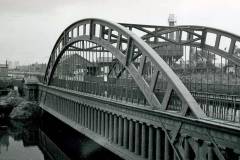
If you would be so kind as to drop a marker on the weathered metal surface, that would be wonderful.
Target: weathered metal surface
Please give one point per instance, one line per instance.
(145, 49)
(200, 133)
(174, 111)
(196, 36)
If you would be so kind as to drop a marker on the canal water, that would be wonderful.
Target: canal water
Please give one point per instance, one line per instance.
(47, 139)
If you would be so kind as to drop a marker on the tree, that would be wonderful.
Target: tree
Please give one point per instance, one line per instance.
(202, 58)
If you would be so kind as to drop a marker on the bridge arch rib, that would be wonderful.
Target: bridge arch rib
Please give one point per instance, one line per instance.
(126, 48)
(195, 36)
(103, 37)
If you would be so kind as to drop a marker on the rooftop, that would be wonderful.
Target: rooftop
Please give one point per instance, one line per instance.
(3, 66)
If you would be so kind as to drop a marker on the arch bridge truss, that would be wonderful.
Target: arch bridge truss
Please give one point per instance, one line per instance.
(180, 70)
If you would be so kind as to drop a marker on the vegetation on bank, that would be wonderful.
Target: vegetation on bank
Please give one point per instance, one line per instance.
(6, 82)
(20, 108)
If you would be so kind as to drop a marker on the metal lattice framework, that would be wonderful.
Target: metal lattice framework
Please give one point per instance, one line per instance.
(195, 36)
(113, 37)
(126, 58)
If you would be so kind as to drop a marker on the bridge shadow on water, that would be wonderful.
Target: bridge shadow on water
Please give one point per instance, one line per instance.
(63, 142)
(47, 139)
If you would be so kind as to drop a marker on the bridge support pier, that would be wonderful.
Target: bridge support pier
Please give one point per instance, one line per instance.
(74, 111)
(158, 144)
(120, 131)
(95, 121)
(106, 125)
(82, 115)
(31, 90)
(210, 152)
(166, 148)
(78, 113)
(131, 132)
(175, 156)
(143, 145)
(137, 137)
(99, 122)
(125, 133)
(92, 119)
(85, 116)
(88, 118)
(186, 148)
(150, 143)
(115, 129)
(110, 127)
(102, 123)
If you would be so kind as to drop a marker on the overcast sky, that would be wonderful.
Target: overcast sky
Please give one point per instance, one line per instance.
(29, 28)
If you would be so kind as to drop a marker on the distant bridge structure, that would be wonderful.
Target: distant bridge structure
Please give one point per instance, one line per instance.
(147, 92)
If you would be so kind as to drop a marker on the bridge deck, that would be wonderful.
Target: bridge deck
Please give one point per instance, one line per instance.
(88, 113)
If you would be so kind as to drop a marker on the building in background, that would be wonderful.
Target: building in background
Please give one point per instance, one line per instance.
(170, 52)
(13, 64)
(10, 65)
(35, 67)
(16, 64)
(4, 70)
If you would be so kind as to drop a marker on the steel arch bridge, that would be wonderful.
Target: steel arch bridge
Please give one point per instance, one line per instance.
(132, 63)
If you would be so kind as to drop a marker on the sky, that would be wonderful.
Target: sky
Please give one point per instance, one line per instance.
(29, 28)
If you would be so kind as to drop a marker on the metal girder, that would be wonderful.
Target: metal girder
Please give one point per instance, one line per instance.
(125, 58)
(197, 36)
(123, 69)
(145, 49)
(73, 48)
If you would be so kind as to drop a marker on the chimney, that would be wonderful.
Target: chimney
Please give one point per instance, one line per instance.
(172, 22)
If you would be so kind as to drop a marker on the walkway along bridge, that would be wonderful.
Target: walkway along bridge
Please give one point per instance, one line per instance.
(147, 92)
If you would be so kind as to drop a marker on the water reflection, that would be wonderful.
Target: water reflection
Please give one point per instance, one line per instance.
(49, 139)
(60, 137)
(19, 142)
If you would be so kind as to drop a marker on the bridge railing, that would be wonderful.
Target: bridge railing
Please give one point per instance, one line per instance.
(96, 48)
(128, 93)
(90, 52)
(230, 89)
(126, 125)
(217, 106)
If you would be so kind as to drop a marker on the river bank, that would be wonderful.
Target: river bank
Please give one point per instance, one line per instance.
(19, 140)
(47, 139)
(29, 134)
(15, 107)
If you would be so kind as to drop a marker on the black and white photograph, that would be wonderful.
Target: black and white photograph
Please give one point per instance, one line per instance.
(119, 80)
